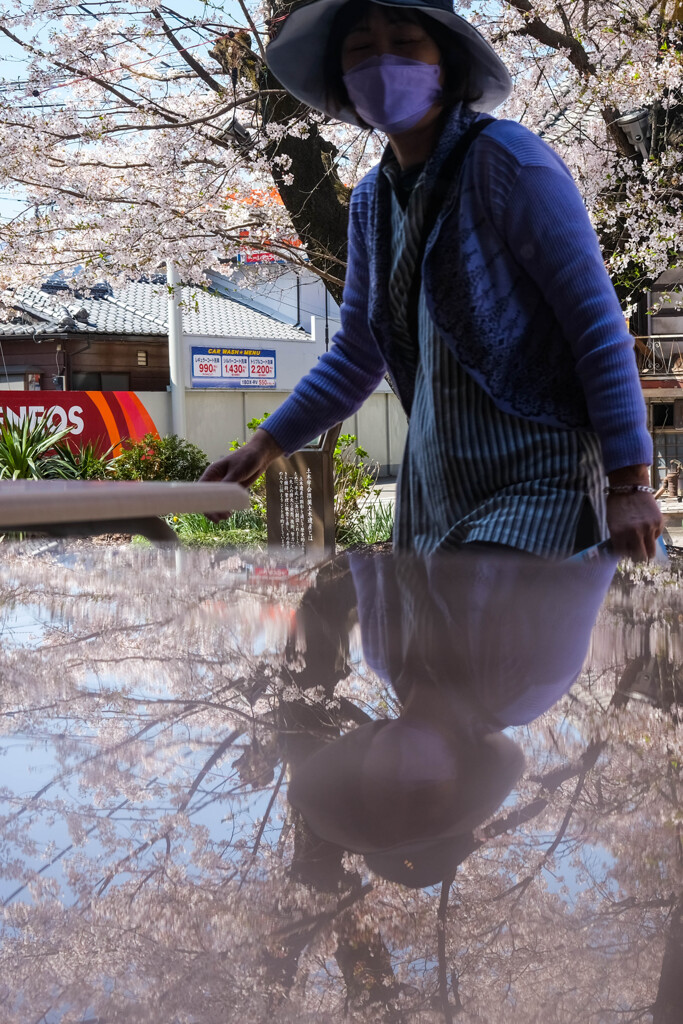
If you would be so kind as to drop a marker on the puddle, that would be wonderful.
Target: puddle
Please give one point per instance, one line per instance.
(510, 728)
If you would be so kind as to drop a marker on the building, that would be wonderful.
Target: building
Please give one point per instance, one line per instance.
(116, 340)
(659, 353)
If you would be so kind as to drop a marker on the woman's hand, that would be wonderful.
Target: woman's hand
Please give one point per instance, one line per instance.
(242, 466)
(634, 520)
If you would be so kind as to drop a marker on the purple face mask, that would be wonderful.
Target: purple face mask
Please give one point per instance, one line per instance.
(393, 93)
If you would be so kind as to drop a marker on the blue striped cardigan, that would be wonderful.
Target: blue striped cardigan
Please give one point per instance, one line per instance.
(515, 282)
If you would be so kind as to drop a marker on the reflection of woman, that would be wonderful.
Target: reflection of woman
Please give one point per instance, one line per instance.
(506, 343)
(408, 792)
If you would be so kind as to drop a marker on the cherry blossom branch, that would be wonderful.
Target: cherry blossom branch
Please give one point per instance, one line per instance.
(266, 815)
(551, 37)
(198, 68)
(252, 26)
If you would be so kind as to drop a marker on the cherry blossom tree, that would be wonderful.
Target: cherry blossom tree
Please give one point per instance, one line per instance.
(136, 134)
(132, 133)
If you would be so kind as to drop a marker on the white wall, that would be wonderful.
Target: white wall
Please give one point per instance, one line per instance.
(215, 418)
(158, 405)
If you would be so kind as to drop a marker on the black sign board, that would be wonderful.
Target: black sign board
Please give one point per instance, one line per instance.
(300, 498)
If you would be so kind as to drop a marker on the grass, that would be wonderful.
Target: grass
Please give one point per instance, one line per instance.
(243, 529)
(247, 529)
(372, 527)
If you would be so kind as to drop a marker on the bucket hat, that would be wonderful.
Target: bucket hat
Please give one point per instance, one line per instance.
(297, 54)
(404, 796)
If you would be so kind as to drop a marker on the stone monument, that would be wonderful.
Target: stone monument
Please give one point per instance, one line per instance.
(300, 499)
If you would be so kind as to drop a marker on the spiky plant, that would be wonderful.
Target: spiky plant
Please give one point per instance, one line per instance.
(25, 451)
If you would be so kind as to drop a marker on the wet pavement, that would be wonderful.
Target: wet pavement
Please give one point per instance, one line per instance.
(371, 790)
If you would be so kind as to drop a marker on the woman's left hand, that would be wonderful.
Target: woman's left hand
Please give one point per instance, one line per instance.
(634, 522)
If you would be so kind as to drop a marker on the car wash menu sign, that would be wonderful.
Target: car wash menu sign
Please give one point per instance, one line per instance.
(233, 367)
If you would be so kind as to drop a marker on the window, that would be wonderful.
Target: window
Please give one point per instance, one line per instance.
(85, 382)
(12, 382)
(662, 414)
(115, 382)
(100, 381)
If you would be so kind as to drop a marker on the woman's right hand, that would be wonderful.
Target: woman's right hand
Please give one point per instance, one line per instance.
(242, 466)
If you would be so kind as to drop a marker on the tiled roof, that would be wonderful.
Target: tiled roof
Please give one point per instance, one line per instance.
(138, 308)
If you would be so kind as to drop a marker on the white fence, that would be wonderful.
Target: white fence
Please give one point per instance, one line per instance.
(215, 418)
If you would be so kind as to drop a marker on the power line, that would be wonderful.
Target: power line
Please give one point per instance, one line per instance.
(126, 67)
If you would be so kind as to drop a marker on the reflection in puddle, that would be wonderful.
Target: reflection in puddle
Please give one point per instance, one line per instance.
(155, 714)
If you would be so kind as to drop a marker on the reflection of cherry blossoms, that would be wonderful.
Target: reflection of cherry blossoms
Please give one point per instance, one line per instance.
(151, 868)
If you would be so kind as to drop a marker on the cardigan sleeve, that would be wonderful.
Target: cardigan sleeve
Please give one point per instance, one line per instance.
(350, 371)
(547, 229)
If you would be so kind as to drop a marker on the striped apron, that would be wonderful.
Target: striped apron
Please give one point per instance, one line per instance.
(471, 472)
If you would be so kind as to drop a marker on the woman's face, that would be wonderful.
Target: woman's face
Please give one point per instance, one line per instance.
(387, 30)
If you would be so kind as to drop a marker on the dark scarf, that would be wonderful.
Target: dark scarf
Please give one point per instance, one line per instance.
(401, 359)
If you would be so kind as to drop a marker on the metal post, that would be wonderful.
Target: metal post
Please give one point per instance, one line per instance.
(175, 351)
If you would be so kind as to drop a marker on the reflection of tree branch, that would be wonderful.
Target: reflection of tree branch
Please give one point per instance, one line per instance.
(214, 759)
(62, 853)
(313, 924)
(121, 863)
(525, 882)
(441, 919)
(269, 808)
(632, 903)
(65, 774)
(285, 945)
(365, 963)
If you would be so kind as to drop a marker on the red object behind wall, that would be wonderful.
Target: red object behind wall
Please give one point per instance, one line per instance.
(103, 418)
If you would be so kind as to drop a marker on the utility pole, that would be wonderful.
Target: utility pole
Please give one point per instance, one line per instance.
(176, 356)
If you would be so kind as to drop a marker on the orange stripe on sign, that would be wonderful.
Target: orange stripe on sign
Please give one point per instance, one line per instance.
(100, 403)
(138, 419)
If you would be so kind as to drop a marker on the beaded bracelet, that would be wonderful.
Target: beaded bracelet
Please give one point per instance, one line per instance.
(629, 489)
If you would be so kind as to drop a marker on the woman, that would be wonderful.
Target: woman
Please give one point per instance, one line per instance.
(475, 279)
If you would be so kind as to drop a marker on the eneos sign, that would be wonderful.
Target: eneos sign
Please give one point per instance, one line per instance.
(102, 418)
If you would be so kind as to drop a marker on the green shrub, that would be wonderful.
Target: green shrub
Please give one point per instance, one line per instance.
(257, 492)
(354, 486)
(373, 527)
(246, 528)
(258, 488)
(358, 519)
(159, 458)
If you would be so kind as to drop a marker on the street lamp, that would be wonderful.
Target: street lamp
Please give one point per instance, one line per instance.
(636, 128)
